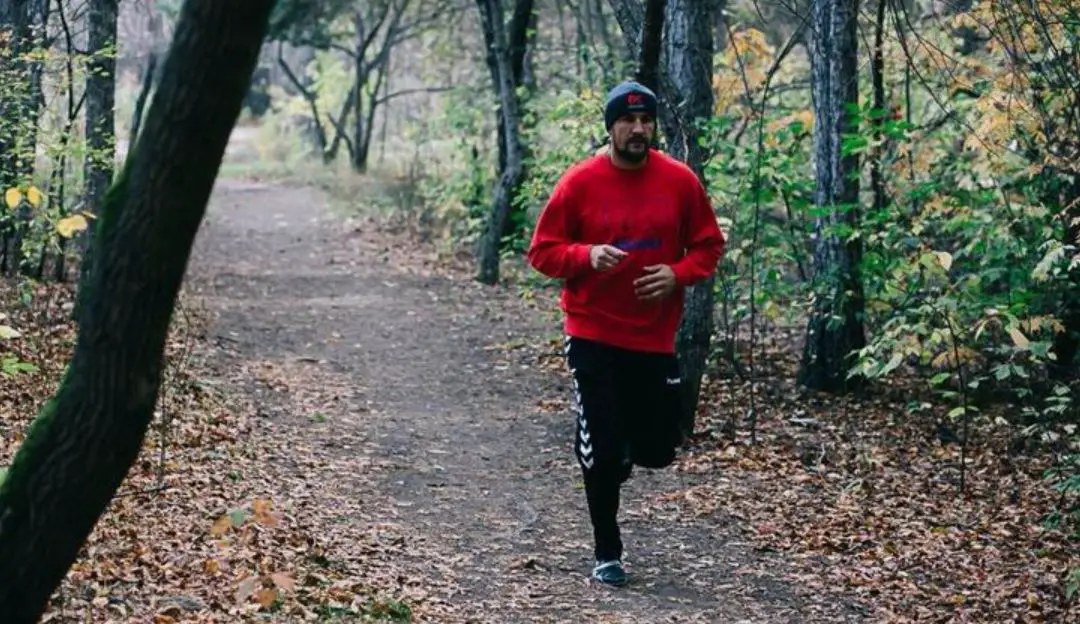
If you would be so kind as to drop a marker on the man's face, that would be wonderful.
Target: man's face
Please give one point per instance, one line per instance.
(631, 136)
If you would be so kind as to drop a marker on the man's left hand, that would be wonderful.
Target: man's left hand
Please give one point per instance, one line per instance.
(657, 283)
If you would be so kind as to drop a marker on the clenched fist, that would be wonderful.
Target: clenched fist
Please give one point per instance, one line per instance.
(657, 283)
(603, 257)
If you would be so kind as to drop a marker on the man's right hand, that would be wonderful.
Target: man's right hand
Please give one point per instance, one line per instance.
(603, 257)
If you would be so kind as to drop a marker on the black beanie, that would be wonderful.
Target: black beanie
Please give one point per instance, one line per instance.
(628, 97)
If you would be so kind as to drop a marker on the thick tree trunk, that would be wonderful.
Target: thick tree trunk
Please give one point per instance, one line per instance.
(511, 176)
(835, 328)
(652, 30)
(100, 126)
(83, 443)
(689, 51)
(680, 65)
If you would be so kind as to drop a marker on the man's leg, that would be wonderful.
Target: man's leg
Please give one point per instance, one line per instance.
(657, 408)
(601, 449)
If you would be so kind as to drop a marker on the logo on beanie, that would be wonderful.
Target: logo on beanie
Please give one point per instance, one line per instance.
(635, 99)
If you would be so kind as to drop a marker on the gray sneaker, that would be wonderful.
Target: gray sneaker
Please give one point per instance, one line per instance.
(610, 573)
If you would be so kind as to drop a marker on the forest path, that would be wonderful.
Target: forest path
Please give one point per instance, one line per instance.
(428, 442)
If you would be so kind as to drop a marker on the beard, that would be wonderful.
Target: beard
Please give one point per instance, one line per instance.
(635, 150)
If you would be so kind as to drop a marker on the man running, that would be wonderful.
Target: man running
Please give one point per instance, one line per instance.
(626, 231)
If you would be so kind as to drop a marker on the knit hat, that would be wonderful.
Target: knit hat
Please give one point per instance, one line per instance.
(628, 97)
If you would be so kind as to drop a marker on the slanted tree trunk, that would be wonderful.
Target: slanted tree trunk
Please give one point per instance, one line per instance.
(835, 328)
(506, 189)
(100, 128)
(81, 446)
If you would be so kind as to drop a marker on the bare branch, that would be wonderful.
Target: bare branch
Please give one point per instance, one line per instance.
(386, 98)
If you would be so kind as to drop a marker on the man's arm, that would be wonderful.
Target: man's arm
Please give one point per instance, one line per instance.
(553, 250)
(704, 241)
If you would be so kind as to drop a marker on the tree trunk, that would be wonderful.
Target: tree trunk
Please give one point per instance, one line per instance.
(100, 127)
(81, 446)
(689, 50)
(720, 28)
(360, 78)
(652, 30)
(835, 328)
(511, 176)
(522, 40)
(15, 19)
(680, 64)
(35, 98)
(519, 41)
(15, 95)
(630, 14)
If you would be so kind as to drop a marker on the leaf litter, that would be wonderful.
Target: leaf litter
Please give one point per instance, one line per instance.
(216, 529)
(282, 515)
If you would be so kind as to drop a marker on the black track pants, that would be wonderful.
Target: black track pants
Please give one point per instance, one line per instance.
(628, 406)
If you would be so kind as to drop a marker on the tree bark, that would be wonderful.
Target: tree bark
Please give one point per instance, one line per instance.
(521, 40)
(652, 30)
(15, 21)
(15, 96)
(510, 179)
(630, 14)
(81, 446)
(680, 66)
(100, 127)
(835, 328)
(689, 51)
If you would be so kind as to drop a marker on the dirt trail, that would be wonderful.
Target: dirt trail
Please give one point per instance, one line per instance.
(442, 436)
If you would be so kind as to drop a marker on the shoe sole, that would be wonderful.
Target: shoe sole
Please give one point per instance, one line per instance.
(621, 583)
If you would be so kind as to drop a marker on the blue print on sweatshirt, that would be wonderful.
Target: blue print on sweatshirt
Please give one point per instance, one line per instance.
(630, 244)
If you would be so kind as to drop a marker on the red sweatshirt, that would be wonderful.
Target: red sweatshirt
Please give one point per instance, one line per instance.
(658, 214)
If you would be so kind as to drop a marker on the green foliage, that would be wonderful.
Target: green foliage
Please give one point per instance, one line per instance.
(306, 22)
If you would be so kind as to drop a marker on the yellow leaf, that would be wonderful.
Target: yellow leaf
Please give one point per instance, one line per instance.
(260, 507)
(12, 197)
(1018, 338)
(33, 195)
(223, 524)
(67, 226)
(944, 258)
(266, 597)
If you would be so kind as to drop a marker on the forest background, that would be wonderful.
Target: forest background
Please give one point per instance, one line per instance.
(889, 347)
